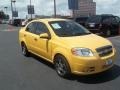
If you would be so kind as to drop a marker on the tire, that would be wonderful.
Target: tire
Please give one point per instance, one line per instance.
(24, 50)
(107, 33)
(117, 32)
(62, 67)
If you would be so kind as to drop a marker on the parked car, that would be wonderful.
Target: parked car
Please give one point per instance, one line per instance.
(0, 21)
(69, 46)
(10, 22)
(24, 22)
(81, 20)
(5, 21)
(17, 22)
(104, 24)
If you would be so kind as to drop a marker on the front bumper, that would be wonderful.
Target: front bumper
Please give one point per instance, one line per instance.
(95, 31)
(92, 65)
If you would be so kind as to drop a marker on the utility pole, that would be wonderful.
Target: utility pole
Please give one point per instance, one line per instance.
(55, 8)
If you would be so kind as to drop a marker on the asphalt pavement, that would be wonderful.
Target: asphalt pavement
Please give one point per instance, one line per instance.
(32, 73)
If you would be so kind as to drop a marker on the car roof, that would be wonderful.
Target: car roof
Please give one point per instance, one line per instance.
(103, 15)
(49, 19)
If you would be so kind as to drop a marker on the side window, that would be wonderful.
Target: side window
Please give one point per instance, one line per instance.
(106, 21)
(110, 20)
(114, 21)
(31, 28)
(118, 19)
(94, 19)
(40, 28)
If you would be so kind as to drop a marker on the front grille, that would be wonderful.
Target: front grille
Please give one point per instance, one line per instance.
(104, 51)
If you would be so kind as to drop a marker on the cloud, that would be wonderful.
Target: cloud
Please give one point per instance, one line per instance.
(108, 7)
(46, 7)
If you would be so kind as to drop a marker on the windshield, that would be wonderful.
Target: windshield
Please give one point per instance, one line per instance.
(68, 28)
(117, 18)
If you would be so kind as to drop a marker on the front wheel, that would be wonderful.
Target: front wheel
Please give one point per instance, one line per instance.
(108, 33)
(62, 66)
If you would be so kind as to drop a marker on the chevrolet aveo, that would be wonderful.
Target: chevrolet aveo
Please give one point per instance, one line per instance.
(70, 47)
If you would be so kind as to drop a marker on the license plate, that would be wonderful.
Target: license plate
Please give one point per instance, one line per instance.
(109, 62)
(92, 25)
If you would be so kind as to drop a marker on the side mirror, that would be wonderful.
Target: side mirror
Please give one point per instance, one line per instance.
(44, 36)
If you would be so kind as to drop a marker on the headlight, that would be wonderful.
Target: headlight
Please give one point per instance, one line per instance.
(82, 52)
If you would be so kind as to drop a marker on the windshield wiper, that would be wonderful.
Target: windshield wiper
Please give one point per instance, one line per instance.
(75, 34)
(81, 34)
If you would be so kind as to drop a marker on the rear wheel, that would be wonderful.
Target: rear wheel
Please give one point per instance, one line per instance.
(24, 50)
(62, 66)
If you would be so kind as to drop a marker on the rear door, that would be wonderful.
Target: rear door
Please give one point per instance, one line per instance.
(29, 36)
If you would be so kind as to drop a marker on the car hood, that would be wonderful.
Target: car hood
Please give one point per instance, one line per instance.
(87, 41)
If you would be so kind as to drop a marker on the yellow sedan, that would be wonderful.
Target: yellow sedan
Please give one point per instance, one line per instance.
(69, 46)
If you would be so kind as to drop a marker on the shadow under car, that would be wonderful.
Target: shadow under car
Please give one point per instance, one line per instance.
(103, 77)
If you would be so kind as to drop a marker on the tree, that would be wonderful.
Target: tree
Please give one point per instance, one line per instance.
(3, 15)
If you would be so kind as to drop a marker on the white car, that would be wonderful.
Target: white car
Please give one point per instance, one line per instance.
(25, 22)
(5, 21)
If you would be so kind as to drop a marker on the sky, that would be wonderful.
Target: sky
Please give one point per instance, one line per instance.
(45, 7)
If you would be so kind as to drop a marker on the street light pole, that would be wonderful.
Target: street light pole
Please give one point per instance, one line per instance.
(14, 1)
(31, 7)
(6, 9)
(55, 8)
(11, 9)
(14, 5)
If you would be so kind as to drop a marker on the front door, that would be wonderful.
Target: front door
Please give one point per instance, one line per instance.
(42, 46)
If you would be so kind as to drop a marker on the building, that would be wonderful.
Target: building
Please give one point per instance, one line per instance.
(86, 8)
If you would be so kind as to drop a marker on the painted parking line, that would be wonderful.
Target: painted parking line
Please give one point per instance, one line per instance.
(7, 30)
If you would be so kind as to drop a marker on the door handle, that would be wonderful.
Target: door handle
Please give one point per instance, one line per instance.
(35, 39)
(25, 35)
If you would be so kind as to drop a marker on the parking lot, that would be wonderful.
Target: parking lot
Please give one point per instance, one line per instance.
(20, 73)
